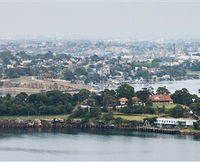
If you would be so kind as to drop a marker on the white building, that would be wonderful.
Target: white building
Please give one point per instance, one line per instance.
(174, 122)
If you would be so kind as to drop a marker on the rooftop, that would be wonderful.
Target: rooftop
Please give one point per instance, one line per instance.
(160, 97)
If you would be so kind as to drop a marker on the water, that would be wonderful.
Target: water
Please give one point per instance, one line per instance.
(192, 85)
(95, 144)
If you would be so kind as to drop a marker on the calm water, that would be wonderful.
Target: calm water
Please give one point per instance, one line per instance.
(72, 144)
(192, 85)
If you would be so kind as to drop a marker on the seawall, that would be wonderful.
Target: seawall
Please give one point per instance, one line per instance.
(60, 123)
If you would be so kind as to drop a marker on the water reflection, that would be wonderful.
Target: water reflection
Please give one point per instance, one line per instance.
(19, 132)
(41, 151)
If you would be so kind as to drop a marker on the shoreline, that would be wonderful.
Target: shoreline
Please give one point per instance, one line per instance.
(60, 123)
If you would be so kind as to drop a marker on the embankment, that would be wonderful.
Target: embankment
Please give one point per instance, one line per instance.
(61, 123)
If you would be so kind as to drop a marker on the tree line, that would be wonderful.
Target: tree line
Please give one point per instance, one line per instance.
(57, 102)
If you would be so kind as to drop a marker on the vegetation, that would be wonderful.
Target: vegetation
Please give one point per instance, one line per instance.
(178, 112)
(104, 106)
(125, 90)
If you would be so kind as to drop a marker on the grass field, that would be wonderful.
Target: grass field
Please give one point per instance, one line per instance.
(33, 117)
(136, 117)
(167, 106)
(193, 72)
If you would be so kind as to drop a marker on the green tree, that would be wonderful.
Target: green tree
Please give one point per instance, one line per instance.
(107, 118)
(155, 62)
(184, 97)
(195, 107)
(94, 113)
(81, 71)
(125, 90)
(162, 90)
(178, 112)
(82, 95)
(118, 121)
(22, 97)
(68, 75)
(143, 94)
(108, 98)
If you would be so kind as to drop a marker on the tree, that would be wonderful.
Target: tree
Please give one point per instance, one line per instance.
(196, 125)
(162, 90)
(108, 98)
(143, 73)
(130, 102)
(81, 71)
(125, 90)
(178, 112)
(107, 118)
(79, 113)
(118, 121)
(184, 97)
(58, 98)
(143, 95)
(21, 97)
(68, 75)
(82, 95)
(155, 62)
(94, 113)
(195, 107)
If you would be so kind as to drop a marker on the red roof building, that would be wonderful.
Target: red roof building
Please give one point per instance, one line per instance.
(123, 100)
(161, 98)
(136, 99)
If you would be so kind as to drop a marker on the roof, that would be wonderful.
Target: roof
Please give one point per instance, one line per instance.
(135, 99)
(177, 119)
(160, 98)
(123, 99)
(88, 100)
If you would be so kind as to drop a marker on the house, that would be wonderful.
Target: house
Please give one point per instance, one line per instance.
(123, 101)
(161, 98)
(87, 103)
(137, 101)
(172, 122)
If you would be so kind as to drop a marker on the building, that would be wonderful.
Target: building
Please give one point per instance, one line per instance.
(137, 101)
(172, 122)
(161, 98)
(123, 101)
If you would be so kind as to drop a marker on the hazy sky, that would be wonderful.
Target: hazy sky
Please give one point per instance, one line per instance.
(100, 18)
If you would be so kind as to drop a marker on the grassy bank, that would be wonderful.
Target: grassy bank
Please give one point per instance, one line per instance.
(136, 117)
(33, 117)
(167, 106)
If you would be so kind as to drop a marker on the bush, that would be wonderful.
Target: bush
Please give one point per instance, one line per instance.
(178, 112)
(79, 113)
(137, 110)
(107, 118)
(196, 108)
(196, 125)
(151, 120)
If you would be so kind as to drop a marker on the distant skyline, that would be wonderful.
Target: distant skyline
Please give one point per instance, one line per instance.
(100, 19)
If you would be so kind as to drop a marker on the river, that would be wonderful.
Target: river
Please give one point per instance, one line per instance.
(95, 144)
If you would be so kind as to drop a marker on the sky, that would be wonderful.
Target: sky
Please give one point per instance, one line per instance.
(100, 19)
